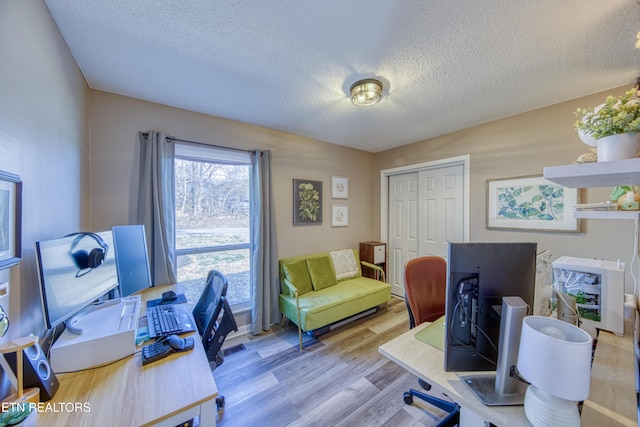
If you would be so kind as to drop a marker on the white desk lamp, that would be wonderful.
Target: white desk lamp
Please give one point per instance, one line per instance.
(555, 357)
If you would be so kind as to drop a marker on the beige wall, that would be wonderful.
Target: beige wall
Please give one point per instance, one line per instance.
(115, 121)
(518, 146)
(42, 132)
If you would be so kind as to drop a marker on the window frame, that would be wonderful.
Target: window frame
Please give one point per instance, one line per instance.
(219, 155)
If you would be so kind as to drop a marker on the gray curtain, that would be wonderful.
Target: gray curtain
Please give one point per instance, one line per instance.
(156, 204)
(264, 258)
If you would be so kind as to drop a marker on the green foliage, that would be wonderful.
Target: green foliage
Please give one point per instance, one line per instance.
(616, 116)
(541, 202)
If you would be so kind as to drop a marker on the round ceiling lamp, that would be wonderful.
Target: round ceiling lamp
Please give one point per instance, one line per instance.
(366, 92)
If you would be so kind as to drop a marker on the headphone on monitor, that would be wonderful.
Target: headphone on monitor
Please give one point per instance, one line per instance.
(86, 261)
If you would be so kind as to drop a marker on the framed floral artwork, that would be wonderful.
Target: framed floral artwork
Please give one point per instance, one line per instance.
(307, 202)
(339, 215)
(339, 187)
(10, 219)
(531, 203)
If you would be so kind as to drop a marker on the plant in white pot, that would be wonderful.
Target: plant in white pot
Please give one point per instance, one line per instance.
(614, 127)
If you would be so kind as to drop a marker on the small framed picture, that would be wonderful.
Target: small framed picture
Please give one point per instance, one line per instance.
(339, 215)
(339, 187)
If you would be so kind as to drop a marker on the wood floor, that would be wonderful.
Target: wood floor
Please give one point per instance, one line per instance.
(339, 379)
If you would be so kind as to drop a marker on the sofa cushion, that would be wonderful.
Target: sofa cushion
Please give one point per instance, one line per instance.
(321, 272)
(346, 298)
(298, 274)
(345, 264)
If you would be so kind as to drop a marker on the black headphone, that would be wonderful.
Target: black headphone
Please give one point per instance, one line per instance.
(87, 261)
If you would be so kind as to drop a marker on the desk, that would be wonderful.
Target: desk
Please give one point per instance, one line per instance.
(426, 362)
(612, 390)
(612, 399)
(125, 393)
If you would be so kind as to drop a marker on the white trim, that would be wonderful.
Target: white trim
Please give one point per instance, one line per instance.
(464, 160)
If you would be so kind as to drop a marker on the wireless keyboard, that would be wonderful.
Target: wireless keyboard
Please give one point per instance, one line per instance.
(164, 320)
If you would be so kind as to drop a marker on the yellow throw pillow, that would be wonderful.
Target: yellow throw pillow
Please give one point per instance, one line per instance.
(321, 272)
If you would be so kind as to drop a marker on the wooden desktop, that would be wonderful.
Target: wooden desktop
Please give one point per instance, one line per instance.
(612, 400)
(125, 393)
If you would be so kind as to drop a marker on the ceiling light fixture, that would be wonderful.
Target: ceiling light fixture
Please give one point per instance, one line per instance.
(366, 92)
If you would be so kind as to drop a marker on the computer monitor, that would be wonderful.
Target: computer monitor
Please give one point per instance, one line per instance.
(74, 271)
(479, 275)
(132, 259)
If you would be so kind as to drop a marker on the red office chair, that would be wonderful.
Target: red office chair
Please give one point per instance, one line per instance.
(425, 287)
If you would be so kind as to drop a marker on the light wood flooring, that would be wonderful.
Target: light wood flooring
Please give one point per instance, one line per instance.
(340, 379)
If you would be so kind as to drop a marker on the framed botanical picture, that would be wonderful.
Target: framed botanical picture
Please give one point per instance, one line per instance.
(339, 187)
(531, 203)
(307, 202)
(339, 215)
(10, 219)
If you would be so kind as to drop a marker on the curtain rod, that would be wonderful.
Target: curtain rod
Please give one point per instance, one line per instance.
(171, 138)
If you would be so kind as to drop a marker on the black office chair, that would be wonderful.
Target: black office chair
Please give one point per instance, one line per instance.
(425, 284)
(212, 328)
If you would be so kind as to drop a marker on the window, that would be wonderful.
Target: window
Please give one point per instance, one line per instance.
(212, 219)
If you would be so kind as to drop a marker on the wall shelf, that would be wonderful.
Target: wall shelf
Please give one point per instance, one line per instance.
(606, 214)
(599, 174)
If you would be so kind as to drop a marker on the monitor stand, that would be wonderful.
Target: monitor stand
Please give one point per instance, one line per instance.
(70, 324)
(108, 334)
(500, 388)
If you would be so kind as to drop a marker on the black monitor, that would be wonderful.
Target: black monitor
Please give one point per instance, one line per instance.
(74, 271)
(479, 275)
(132, 259)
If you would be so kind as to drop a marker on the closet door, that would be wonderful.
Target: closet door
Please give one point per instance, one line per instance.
(403, 227)
(441, 211)
(426, 211)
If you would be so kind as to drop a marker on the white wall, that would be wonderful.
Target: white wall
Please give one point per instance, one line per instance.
(42, 132)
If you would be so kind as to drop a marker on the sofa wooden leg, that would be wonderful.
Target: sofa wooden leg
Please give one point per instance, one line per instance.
(282, 321)
(300, 336)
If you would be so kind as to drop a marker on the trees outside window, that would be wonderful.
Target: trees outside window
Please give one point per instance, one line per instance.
(212, 220)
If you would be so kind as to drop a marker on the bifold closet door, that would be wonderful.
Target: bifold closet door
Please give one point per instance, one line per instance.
(426, 211)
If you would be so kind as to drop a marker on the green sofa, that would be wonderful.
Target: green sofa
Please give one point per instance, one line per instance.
(320, 289)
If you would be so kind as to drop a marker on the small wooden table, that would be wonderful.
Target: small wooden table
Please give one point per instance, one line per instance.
(125, 393)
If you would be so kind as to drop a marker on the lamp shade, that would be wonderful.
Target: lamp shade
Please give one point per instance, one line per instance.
(555, 356)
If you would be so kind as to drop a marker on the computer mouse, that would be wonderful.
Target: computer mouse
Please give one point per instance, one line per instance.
(169, 296)
(180, 344)
(176, 342)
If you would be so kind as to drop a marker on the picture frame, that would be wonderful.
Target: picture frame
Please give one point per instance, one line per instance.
(531, 203)
(339, 215)
(10, 219)
(307, 202)
(339, 187)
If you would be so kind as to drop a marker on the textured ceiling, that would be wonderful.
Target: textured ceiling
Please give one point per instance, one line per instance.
(288, 65)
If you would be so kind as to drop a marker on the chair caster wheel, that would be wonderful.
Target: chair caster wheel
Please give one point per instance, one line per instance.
(408, 399)
(220, 403)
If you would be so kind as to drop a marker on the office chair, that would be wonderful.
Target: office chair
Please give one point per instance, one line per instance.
(213, 302)
(425, 286)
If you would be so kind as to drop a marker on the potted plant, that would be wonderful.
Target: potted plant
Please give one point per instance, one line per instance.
(613, 127)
